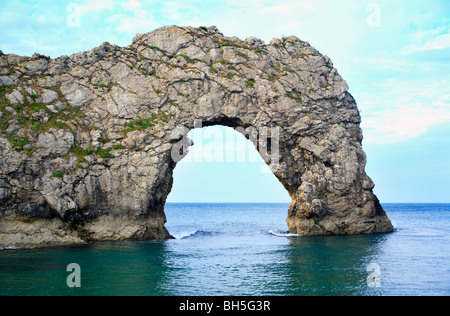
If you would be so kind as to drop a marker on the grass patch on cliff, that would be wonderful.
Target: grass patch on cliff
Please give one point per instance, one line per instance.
(3, 100)
(118, 146)
(288, 69)
(29, 120)
(187, 58)
(214, 69)
(223, 62)
(296, 97)
(241, 54)
(83, 152)
(224, 44)
(16, 141)
(142, 124)
(101, 85)
(3, 104)
(104, 153)
(232, 44)
(37, 117)
(155, 48)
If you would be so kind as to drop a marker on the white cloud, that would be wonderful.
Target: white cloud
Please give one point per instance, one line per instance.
(136, 20)
(403, 123)
(133, 24)
(425, 35)
(432, 39)
(173, 10)
(405, 110)
(132, 5)
(440, 42)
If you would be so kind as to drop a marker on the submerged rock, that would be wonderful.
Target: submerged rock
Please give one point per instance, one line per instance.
(87, 141)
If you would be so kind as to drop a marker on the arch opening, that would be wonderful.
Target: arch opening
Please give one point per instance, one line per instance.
(223, 166)
(221, 179)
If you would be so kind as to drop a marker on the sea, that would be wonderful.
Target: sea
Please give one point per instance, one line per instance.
(237, 249)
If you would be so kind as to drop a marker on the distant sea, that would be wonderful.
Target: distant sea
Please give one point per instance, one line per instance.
(245, 250)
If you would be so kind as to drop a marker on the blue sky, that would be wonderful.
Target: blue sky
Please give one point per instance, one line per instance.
(394, 55)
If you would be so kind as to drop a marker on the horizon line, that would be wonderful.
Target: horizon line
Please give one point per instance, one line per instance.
(206, 202)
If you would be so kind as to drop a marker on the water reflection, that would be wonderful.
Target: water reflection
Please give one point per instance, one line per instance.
(266, 265)
(127, 268)
(334, 265)
(107, 268)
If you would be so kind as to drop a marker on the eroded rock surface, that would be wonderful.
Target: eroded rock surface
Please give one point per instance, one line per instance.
(86, 140)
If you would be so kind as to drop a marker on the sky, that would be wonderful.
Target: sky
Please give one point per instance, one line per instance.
(394, 56)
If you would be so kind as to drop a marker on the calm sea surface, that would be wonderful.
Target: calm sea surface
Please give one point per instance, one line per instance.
(244, 249)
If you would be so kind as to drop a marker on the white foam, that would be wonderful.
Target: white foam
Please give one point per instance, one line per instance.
(283, 234)
(8, 247)
(184, 235)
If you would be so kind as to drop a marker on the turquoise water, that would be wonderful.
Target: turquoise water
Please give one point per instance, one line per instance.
(243, 249)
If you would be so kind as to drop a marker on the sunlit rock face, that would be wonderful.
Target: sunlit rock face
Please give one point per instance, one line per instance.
(88, 142)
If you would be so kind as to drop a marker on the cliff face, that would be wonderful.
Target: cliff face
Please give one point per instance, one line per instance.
(87, 142)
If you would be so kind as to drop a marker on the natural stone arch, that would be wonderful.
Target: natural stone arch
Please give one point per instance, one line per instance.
(87, 140)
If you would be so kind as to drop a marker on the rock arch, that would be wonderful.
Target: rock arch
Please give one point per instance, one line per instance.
(87, 140)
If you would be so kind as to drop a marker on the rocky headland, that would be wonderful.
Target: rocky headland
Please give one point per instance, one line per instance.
(86, 139)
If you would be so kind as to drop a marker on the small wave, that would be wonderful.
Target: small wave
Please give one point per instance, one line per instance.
(283, 234)
(194, 233)
(185, 235)
(7, 247)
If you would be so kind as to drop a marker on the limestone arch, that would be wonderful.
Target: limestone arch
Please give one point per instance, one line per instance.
(98, 166)
(309, 213)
